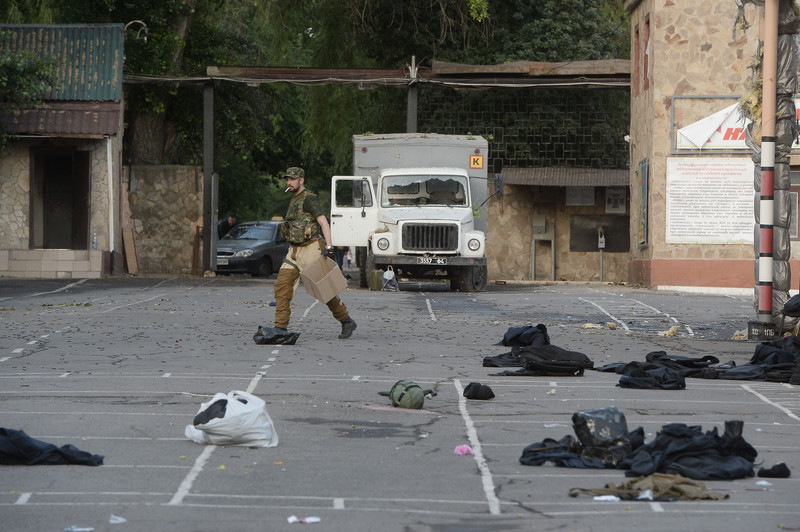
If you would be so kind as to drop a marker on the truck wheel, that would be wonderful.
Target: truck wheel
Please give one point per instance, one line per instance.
(472, 279)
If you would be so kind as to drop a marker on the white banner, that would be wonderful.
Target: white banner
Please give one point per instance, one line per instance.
(723, 130)
(710, 200)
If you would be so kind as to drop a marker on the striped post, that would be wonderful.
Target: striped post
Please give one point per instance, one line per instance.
(766, 207)
(769, 76)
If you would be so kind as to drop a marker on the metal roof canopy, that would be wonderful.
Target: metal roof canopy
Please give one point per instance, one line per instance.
(612, 73)
(560, 176)
(608, 74)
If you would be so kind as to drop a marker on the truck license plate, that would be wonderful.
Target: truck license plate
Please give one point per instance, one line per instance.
(222, 262)
(431, 260)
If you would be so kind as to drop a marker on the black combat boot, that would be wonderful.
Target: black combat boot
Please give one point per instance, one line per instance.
(348, 326)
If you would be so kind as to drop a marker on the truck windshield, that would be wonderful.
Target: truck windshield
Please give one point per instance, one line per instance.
(410, 190)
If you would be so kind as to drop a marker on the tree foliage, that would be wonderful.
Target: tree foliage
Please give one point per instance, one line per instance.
(25, 79)
(262, 130)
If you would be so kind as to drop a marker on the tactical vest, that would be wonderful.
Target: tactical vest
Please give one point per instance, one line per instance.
(300, 227)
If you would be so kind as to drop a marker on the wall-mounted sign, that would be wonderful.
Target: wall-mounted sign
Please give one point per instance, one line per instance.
(710, 200)
(723, 130)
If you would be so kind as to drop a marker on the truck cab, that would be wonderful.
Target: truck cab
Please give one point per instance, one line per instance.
(420, 220)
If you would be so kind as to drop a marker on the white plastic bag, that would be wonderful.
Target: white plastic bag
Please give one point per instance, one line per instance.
(245, 423)
(389, 280)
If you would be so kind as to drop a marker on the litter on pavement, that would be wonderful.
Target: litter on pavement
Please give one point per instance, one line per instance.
(236, 418)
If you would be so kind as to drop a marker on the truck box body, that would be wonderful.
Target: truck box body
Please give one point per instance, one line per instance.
(412, 204)
(406, 150)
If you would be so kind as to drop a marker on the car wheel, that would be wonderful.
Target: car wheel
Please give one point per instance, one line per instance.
(264, 268)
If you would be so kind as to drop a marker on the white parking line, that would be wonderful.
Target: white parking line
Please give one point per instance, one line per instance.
(430, 309)
(776, 405)
(189, 479)
(604, 311)
(472, 434)
(131, 304)
(67, 287)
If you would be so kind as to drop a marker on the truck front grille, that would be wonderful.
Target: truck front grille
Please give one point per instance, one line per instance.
(430, 237)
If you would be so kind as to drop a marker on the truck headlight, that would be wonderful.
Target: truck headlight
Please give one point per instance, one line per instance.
(383, 244)
(474, 244)
(244, 253)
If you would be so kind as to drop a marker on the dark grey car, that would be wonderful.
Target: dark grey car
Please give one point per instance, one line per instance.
(256, 248)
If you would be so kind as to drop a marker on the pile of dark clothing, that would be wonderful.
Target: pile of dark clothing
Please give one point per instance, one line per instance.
(17, 448)
(774, 361)
(603, 441)
(532, 352)
(660, 370)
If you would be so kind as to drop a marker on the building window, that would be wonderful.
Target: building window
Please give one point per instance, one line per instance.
(636, 56)
(647, 52)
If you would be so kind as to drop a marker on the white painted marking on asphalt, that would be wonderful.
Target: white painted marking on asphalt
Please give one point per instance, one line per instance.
(691, 333)
(131, 304)
(553, 383)
(308, 310)
(266, 366)
(776, 405)
(338, 504)
(254, 382)
(4, 359)
(430, 310)
(44, 336)
(18, 350)
(472, 434)
(63, 375)
(274, 352)
(32, 342)
(165, 375)
(189, 479)
(355, 377)
(67, 287)
(604, 311)
(656, 507)
(23, 498)
(787, 385)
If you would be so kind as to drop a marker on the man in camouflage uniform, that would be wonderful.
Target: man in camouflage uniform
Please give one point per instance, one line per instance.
(305, 221)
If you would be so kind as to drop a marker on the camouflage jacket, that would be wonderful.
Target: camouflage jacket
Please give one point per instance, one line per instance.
(301, 226)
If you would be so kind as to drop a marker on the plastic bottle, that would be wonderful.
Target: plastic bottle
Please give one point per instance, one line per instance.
(94, 240)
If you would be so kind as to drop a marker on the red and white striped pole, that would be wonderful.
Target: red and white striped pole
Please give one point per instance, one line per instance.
(769, 72)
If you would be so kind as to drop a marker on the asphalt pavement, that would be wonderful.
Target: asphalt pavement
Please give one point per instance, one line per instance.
(120, 366)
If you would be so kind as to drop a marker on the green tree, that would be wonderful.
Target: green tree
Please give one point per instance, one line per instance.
(26, 12)
(25, 79)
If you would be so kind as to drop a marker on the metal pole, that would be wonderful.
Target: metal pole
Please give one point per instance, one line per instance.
(769, 72)
(413, 96)
(208, 177)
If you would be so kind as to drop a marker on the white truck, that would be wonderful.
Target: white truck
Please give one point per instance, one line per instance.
(415, 203)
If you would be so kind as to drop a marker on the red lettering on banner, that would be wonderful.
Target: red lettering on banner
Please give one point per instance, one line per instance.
(734, 133)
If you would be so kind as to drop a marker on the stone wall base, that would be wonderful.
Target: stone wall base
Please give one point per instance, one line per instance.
(52, 263)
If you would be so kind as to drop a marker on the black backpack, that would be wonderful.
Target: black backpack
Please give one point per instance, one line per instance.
(553, 360)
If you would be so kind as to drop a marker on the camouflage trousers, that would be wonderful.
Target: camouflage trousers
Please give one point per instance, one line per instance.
(288, 280)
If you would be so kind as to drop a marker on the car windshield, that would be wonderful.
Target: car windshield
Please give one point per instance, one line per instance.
(251, 232)
(420, 190)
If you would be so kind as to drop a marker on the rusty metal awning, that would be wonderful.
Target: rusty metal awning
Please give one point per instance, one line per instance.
(560, 176)
(67, 119)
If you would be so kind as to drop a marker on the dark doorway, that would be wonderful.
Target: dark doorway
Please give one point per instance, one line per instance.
(60, 199)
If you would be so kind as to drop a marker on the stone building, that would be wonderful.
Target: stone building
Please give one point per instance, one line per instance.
(691, 173)
(60, 179)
